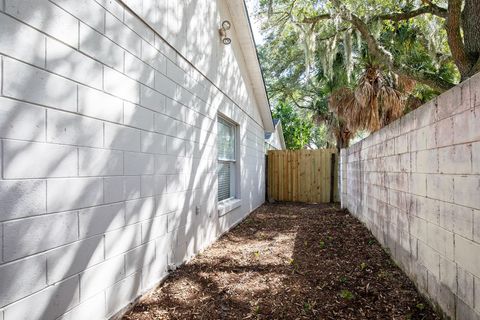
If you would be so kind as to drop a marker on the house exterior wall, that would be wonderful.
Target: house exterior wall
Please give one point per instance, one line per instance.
(274, 142)
(416, 185)
(108, 148)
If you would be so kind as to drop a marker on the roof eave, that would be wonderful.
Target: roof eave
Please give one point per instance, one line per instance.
(280, 133)
(241, 20)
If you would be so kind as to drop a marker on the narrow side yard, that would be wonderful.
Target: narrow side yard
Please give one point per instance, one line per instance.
(289, 261)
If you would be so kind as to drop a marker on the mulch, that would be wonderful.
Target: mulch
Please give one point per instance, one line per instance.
(289, 261)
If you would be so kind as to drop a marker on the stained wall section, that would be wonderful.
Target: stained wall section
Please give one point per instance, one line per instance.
(416, 185)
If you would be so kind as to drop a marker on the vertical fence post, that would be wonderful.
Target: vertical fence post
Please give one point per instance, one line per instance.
(266, 178)
(332, 178)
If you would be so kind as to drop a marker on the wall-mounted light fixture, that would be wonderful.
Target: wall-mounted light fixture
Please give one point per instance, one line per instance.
(226, 25)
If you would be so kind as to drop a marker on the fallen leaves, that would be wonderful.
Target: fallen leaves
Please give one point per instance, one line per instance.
(289, 261)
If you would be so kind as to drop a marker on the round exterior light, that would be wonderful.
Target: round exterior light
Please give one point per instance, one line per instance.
(226, 25)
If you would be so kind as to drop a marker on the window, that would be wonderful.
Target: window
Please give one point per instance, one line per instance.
(226, 145)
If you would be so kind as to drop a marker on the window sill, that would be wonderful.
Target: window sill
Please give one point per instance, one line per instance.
(228, 205)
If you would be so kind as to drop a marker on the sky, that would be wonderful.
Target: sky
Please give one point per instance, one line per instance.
(252, 6)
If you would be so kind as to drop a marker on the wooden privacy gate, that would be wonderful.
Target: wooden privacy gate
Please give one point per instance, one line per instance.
(303, 175)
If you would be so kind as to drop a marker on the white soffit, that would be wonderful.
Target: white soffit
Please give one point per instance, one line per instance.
(241, 23)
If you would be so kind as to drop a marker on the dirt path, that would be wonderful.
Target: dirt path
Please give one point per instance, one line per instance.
(289, 261)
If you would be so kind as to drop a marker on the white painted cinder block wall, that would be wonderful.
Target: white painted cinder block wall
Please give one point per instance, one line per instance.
(416, 186)
(108, 147)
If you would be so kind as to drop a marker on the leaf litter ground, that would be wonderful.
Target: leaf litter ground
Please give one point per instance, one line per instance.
(289, 261)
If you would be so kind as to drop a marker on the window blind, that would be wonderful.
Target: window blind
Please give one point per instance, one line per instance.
(226, 159)
(223, 181)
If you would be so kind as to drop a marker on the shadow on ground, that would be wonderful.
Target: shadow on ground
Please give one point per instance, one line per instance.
(289, 261)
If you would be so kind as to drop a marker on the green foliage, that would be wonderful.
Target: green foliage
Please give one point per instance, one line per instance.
(420, 306)
(347, 295)
(307, 306)
(297, 127)
(305, 59)
(383, 274)
(322, 244)
(256, 309)
(420, 44)
(321, 137)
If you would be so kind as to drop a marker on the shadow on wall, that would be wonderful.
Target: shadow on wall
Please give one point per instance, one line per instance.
(99, 191)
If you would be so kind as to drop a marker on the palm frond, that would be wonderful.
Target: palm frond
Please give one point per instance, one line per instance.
(375, 102)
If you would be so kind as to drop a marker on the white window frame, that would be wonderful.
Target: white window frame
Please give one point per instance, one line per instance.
(232, 202)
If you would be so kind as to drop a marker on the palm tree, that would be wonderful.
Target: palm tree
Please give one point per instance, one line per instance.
(376, 101)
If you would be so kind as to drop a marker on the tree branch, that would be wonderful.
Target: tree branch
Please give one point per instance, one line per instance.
(386, 58)
(454, 37)
(399, 16)
(316, 19)
(431, 80)
(334, 34)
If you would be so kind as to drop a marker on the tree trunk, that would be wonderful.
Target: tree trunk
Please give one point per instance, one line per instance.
(471, 34)
(343, 137)
(340, 144)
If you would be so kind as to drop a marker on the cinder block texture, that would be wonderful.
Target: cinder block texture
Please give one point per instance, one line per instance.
(73, 64)
(98, 220)
(24, 82)
(28, 236)
(108, 145)
(90, 99)
(57, 299)
(23, 121)
(69, 194)
(17, 39)
(38, 160)
(74, 258)
(22, 198)
(61, 26)
(22, 278)
(439, 208)
(64, 128)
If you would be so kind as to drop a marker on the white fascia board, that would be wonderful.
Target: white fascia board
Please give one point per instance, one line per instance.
(241, 21)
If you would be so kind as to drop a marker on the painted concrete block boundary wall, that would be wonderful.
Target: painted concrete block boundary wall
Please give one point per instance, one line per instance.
(416, 185)
(108, 148)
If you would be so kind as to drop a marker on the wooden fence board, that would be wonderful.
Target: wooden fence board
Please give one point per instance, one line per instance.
(301, 175)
